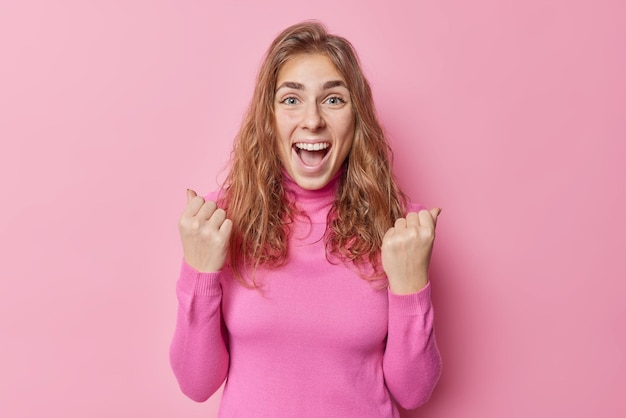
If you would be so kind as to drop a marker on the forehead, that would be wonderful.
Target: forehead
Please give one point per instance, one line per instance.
(309, 69)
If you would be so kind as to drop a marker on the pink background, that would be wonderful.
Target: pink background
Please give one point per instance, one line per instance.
(509, 115)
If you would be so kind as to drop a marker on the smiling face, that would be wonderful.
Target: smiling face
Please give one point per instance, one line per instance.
(314, 119)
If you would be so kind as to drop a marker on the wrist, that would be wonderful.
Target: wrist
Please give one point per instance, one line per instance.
(408, 285)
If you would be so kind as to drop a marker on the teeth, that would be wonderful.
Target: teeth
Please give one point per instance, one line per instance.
(312, 147)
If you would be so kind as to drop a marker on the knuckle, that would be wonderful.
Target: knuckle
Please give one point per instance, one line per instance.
(183, 222)
(428, 233)
(221, 241)
(411, 234)
(217, 241)
(394, 242)
(195, 224)
(206, 232)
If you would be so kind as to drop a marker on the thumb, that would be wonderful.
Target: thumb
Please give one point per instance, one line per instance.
(190, 195)
(435, 213)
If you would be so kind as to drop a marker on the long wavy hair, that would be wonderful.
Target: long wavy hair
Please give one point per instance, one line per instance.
(368, 199)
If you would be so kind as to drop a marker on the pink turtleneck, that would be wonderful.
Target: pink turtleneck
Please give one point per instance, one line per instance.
(318, 341)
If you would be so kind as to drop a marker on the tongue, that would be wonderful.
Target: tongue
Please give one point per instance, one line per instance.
(311, 158)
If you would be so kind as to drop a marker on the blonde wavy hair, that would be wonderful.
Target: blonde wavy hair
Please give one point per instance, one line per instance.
(368, 199)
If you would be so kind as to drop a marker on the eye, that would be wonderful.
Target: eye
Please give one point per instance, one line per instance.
(335, 100)
(290, 100)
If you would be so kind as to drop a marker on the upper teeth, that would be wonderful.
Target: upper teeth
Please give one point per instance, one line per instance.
(312, 147)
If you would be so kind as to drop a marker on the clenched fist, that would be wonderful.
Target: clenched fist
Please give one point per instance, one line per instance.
(406, 251)
(205, 233)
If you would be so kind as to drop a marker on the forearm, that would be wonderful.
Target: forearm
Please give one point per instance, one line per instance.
(198, 352)
(412, 364)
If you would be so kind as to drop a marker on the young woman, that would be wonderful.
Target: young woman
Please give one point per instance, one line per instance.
(304, 283)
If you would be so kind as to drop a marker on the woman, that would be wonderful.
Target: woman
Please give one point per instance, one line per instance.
(304, 284)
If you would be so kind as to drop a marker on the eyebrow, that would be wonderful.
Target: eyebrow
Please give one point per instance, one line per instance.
(291, 85)
(299, 86)
(334, 83)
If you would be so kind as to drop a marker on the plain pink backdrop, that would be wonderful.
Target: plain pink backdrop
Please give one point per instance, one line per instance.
(509, 115)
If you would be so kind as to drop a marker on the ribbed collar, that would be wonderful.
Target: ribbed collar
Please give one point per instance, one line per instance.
(315, 203)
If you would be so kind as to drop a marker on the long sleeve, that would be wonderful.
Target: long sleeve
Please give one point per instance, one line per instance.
(198, 352)
(316, 341)
(411, 363)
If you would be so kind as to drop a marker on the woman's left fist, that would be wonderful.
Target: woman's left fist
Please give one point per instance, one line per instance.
(406, 251)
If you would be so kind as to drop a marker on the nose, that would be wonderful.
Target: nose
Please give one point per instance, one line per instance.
(312, 118)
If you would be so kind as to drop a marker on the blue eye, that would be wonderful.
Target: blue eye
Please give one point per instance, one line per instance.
(335, 100)
(290, 101)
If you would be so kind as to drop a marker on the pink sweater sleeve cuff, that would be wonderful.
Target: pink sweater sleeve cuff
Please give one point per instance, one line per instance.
(410, 305)
(199, 284)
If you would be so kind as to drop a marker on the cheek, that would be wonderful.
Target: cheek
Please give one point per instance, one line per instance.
(278, 125)
(346, 142)
(347, 131)
(284, 116)
(282, 143)
(347, 121)
(284, 125)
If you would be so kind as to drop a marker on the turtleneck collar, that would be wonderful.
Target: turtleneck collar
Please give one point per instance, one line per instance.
(315, 203)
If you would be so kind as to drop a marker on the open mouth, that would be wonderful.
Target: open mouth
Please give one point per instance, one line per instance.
(312, 154)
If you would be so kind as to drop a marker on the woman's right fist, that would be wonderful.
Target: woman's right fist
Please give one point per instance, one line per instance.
(205, 233)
